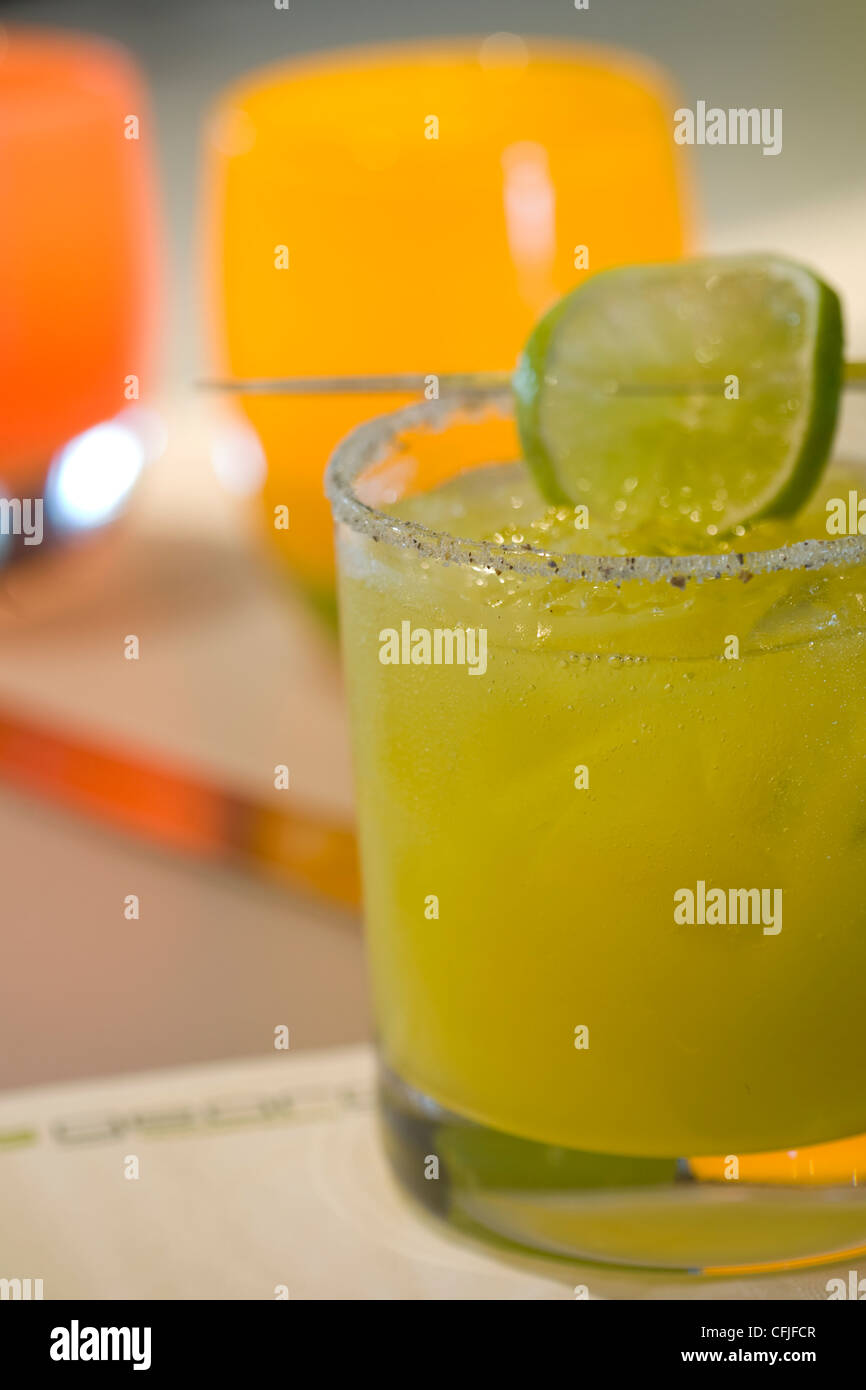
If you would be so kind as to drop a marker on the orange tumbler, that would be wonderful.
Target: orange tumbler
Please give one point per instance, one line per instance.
(415, 208)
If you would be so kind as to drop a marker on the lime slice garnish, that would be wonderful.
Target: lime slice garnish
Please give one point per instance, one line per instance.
(704, 392)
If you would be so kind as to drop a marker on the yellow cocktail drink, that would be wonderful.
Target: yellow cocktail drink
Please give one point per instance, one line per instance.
(613, 836)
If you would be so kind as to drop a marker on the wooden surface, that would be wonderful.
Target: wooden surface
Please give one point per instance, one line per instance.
(216, 960)
(234, 677)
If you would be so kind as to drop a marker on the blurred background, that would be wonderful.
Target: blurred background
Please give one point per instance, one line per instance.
(186, 204)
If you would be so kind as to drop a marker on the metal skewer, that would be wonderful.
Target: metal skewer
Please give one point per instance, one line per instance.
(410, 382)
(450, 383)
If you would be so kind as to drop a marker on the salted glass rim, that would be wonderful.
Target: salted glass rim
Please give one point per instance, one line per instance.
(368, 443)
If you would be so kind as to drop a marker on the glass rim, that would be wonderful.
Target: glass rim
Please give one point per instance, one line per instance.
(368, 443)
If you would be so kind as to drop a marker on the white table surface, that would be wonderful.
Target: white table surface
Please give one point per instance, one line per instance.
(231, 1204)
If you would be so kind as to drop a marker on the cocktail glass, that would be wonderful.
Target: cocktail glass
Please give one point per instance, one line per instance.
(554, 753)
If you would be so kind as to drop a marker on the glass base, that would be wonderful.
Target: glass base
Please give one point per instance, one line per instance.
(647, 1213)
